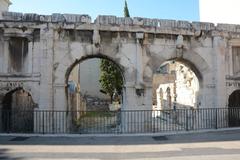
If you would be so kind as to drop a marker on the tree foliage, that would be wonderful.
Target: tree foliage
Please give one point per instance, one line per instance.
(110, 77)
(126, 11)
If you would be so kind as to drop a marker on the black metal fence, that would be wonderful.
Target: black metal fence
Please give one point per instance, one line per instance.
(91, 122)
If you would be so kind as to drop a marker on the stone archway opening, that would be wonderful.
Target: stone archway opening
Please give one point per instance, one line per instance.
(17, 112)
(95, 94)
(176, 85)
(234, 106)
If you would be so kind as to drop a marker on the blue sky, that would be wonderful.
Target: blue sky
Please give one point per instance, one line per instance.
(162, 9)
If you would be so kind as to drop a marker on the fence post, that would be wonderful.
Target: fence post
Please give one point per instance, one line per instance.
(43, 121)
(187, 129)
(216, 123)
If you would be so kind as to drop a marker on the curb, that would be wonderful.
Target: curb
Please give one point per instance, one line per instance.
(122, 135)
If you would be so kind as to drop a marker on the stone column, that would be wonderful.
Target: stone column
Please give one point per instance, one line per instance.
(219, 73)
(1, 53)
(6, 55)
(45, 123)
(136, 114)
(29, 68)
(139, 57)
(219, 47)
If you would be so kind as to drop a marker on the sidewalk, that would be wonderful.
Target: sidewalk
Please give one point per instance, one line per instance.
(197, 146)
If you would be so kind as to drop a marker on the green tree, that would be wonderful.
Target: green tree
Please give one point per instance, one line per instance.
(110, 78)
(126, 11)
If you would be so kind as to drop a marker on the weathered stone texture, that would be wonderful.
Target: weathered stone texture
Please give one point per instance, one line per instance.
(138, 45)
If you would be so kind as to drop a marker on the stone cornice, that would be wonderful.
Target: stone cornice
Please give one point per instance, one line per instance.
(113, 23)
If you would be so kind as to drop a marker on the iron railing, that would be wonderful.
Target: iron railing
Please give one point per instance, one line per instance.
(116, 122)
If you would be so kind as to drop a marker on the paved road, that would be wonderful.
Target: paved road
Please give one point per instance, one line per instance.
(224, 145)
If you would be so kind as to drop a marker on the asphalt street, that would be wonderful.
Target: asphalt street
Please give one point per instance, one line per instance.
(223, 145)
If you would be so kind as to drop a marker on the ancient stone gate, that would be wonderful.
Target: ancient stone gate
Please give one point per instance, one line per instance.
(37, 53)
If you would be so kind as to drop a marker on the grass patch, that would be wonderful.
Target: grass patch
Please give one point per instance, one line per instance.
(92, 118)
(98, 114)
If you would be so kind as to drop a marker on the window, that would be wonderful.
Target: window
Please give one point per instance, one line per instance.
(236, 60)
(18, 50)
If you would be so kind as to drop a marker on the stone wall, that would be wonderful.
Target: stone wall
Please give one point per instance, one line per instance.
(41, 30)
(89, 78)
(57, 42)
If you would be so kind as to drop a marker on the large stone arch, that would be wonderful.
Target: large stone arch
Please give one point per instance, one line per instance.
(188, 57)
(85, 58)
(101, 56)
(75, 52)
(67, 63)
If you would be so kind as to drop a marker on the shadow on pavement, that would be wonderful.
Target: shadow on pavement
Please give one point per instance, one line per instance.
(4, 155)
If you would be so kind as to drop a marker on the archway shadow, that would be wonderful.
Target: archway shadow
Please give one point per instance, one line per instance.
(17, 112)
(233, 108)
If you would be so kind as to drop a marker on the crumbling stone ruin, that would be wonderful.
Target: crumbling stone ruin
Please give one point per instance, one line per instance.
(38, 52)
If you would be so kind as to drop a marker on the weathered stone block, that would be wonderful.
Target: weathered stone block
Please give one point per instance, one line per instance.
(226, 27)
(237, 28)
(84, 19)
(70, 18)
(77, 18)
(138, 21)
(56, 17)
(184, 24)
(124, 21)
(12, 16)
(45, 18)
(105, 20)
(30, 17)
(203, 26)
(150, 22)
(167, 23)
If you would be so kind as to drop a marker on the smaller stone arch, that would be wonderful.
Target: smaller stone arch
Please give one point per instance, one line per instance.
(183, 82)
(17, 111)
(234, 99)
(23, 100)
(187, 63)
(190, 58)
(234, 109)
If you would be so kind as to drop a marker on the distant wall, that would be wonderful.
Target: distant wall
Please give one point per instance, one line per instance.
(89, 78)
(4, 4)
